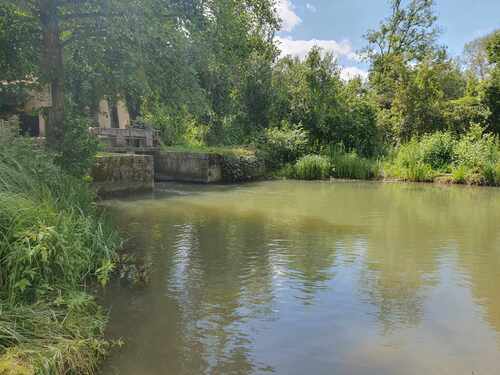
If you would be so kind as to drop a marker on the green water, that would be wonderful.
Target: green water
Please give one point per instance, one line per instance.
(311, 278)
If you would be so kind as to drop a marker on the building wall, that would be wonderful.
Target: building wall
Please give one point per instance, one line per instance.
(104, 114)
(123, 115)
(41, 98)
(42, 128)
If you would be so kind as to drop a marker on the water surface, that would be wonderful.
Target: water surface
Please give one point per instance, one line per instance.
(311, 278)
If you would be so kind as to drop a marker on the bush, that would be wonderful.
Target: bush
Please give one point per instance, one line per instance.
(476, 158)
(473, 159)
(491, 174)
(312, 167)
(76, 153)
(9, 128)
(476, 149)
(436, 150)
(408, 164)
(281, 146)
(460, 174)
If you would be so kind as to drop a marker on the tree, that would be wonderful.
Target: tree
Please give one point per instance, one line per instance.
(492, 85)
(110, 36)
(18, 44)
(310, 94)
(408, 35)
(476, 56)
(422, 93)
(409, 31)
(235, 51)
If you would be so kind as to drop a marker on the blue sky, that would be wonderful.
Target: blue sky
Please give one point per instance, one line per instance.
(339, 25)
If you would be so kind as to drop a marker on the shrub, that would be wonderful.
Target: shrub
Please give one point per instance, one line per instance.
(476, 149)
(9, 128)
(491, 174)
(436, 150)
(281, 146)
(312, 167)
(408, 164)
(460, 174)
(78, 150)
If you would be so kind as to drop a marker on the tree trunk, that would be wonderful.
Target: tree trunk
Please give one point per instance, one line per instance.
(53, 70)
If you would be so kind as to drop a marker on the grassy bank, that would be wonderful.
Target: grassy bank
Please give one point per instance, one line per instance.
(54, 248)
(473, 159)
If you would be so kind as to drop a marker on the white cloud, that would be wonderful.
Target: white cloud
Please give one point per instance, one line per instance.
(311, 8)
(348, 73)
(301, 48)
(286, 11)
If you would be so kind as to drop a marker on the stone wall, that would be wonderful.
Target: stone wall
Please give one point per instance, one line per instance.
(188, 166)
(123, 173)
(206, 167)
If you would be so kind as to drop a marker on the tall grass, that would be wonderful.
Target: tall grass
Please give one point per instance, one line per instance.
(407, 164)
(312, 167)
(53, 242)
(352, 166)
(52, 338)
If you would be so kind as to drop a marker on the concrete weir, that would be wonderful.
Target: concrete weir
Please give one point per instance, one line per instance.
(188, 167)
(127, 173)
(115, 174)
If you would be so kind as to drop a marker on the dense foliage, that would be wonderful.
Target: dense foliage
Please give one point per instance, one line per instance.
(53, 245)
(208, 73)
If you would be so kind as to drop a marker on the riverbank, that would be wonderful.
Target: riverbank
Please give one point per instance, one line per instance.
(471, 159)
(56, 249)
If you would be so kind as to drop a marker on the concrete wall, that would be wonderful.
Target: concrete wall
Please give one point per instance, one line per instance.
(104, 114)
(206, 167)
(123, 115)
(123, 173)
(188, 167)
(38, 99)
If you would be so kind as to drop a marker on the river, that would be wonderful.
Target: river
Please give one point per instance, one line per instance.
(288, 277)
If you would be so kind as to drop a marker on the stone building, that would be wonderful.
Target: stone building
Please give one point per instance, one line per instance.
(31, 111)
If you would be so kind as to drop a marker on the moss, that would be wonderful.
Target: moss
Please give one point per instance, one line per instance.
(237, 151)
(241, 168)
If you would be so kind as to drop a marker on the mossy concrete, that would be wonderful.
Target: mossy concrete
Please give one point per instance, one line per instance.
(188, 167)
(206, 168)
(123, 173)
